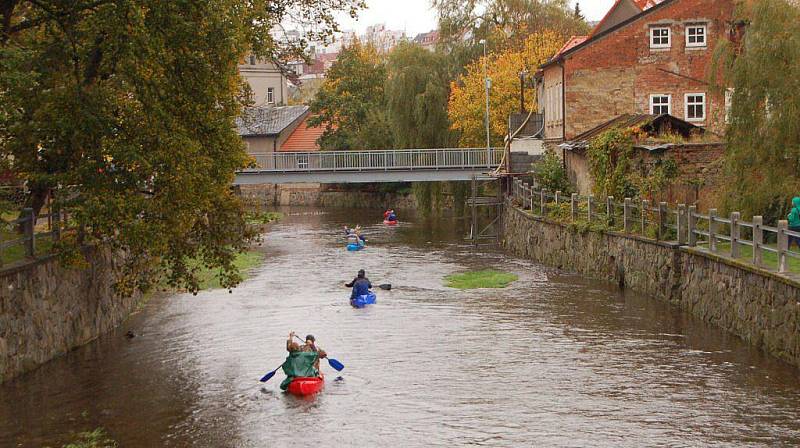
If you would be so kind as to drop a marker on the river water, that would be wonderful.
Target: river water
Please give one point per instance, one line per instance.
(553, 360)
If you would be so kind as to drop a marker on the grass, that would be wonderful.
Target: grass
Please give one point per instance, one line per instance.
(480, 279)
(770, 259)
(244, 261)
(92, 439)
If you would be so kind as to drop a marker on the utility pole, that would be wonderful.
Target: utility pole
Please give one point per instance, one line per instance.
(522, 75)
(487, 85)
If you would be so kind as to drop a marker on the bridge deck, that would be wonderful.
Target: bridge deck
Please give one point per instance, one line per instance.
(407, 165)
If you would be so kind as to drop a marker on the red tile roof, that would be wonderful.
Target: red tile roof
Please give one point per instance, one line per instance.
(572, 42)
(303, 138)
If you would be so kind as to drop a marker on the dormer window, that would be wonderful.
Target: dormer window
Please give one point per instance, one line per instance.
(696, 35)
(660, 37)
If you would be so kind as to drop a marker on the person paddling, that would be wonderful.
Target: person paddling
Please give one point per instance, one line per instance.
(389, 215)
(303, 360)
(361, 285)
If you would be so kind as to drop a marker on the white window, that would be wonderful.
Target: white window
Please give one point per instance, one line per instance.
(302, 161)
(660, 104)
(270, 95)
(696, 35)
(695, 106)
(728, 104)
(660, 37)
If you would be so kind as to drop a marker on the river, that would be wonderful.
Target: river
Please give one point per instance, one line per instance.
(552, 360)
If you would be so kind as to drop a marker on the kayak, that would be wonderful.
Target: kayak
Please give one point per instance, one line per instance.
(304, 385)
(390, 223)
(355, 246)
(364, 300)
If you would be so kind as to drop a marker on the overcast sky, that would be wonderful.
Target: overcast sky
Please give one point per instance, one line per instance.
(416, 16)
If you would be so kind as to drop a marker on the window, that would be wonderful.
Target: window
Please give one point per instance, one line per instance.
(696, 35)
(270, 95)
(660, 37)
(695, 106)
(252, 60)
(660, 104)
(728, 104)
(302, 161)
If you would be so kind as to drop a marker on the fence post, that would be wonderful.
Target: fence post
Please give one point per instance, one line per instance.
(530, 200)
(662, 220)
(558, 197)
(758, 240)
(30, 235)
(645, 207)
(626, 215)
(573, 202)
(56, 226)
(681, 224)
(692, 231)
(610, 210)
(542, 199)
(525, 192)
(783, 245)
(735, 234)
(712, 229)
(590, 207)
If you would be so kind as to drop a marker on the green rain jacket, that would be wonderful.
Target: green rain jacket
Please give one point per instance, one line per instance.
(794, 215)
(299, 364)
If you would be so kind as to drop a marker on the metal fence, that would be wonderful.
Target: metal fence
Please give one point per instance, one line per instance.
(724, 236)
(405, 159)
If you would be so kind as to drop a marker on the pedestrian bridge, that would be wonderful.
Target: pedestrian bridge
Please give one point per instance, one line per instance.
(404, 165)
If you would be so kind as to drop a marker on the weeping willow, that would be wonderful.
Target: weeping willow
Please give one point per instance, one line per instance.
(763, 155)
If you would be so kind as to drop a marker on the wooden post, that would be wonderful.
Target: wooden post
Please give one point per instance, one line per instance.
(30, 234)
(558, 197)
(758, 240)
(590, 207)
(610, 210)
(692, 220)
(526, 190)
(56, 227)
(573, 202)
(626, 215)
(542, 202)
(735, 234)
(681, 224)
(662, 220)
(530, 200)
(783, 246)
(712, 229)
(645, 210)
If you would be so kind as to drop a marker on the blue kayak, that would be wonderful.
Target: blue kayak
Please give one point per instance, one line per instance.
(355, 246)
(362, 301)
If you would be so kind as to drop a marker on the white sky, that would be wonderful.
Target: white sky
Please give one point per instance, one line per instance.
(416, 16)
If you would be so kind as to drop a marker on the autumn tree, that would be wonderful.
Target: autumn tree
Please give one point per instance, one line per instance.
(350, 104)
(126, 109)
(763, 151)
(466, 107)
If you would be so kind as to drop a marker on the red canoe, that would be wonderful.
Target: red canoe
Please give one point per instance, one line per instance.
(389, 223)
(306, 385)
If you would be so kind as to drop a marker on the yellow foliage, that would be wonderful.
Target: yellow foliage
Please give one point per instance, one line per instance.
(467, 103)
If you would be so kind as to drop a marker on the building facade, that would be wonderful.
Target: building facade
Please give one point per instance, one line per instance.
(266, 81)
(643, 58)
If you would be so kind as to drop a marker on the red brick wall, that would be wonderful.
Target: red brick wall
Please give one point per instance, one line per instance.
(617, 73)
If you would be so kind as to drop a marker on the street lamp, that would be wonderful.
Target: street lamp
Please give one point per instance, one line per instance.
(522, 76)
(487, 84)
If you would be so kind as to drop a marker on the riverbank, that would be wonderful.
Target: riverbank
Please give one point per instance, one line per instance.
(761, 308)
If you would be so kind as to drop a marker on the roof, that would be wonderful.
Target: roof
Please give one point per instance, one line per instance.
(652, 124)
(572, 42)
(268, 120)
(303, 138)
(649, 6)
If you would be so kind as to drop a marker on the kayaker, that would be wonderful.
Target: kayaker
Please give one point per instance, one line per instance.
(361, 285)
(309, 346)
(361, 237)
(389, 215)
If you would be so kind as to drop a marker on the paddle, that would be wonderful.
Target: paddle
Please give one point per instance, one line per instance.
(385, 286)
(333, 362)
(268, 376)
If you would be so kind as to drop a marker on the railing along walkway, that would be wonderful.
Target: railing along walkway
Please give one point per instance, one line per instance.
(385, 160)
(763, 246)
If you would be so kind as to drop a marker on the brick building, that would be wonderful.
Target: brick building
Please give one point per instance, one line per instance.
(644, 57)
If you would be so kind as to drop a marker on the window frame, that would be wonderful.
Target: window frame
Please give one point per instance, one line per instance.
(270, 95)
(668, 96)
(652, 37)
(686, 106)
(302, 161)
(704, 27)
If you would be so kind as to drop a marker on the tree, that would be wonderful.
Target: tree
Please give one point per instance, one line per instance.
(466, 108)
(350, 102)
(126, 109)
(763, 135)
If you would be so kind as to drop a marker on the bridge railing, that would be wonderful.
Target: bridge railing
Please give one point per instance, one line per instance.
(404, 159)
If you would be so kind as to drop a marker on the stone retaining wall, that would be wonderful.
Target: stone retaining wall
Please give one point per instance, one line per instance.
(274, 195)
(762, 308)
(47, 309)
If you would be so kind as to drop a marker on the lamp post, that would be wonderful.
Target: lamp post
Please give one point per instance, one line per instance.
(522, 75)
(487, 84)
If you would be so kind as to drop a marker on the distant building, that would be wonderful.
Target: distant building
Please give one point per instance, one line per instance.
(427, 40)
(265, 129)
(266, 81)
(382, 38)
